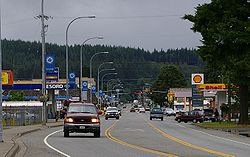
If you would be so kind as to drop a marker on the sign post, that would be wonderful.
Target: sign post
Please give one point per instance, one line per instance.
(49, 77)
(197, 95)
(84, 95)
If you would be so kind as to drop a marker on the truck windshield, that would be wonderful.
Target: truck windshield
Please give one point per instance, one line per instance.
(82, 109)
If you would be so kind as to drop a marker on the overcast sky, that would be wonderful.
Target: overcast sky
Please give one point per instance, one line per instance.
(146, 24)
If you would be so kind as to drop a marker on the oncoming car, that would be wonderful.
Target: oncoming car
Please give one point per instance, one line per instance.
(82, 118)
(112, 112)
(156, 113)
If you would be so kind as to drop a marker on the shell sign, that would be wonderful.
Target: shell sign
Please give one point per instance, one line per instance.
(197, 79)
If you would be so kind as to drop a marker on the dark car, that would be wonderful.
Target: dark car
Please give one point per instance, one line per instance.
(112, 112)
(132, 109)
(193, 116)
(156, 113)
(82, 118)
(208, 115)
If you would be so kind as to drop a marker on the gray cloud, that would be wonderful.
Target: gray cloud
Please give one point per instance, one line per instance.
(147, 24)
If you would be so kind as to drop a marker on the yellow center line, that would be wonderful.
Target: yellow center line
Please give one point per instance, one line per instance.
(189, 144)
(114, 139)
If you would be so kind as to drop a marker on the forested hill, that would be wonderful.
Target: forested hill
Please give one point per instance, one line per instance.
(24, 58)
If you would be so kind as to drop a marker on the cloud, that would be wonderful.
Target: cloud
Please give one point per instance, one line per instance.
(147, 24)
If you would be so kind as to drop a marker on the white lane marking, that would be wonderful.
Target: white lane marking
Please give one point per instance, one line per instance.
(226, 139)
(45, 141)
(133, 130)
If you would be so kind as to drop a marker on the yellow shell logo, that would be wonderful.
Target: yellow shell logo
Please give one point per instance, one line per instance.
(197, 79)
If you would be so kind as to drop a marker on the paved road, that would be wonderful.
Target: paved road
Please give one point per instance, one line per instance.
(134, 135)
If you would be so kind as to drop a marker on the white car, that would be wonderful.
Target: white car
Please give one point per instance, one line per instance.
(169, 112)
(142, 110)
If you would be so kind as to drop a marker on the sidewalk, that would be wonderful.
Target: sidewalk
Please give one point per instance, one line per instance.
(10, 147)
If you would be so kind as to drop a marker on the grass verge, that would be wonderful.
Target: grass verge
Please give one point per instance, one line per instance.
(221, 125)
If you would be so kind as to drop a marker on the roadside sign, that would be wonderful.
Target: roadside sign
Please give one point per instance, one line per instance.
(7, 77)
(93, 89)
(100, 93)
(84, 85)
(59, 86)
(197, 96)
(197, 79)
(50, 62)
(72, 77)
(52, 76)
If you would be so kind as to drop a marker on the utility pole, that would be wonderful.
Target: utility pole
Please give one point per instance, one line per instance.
(43, 18)
(1, 124)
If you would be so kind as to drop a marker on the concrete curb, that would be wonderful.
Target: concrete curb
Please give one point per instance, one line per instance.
(15, 148)
(237, 131)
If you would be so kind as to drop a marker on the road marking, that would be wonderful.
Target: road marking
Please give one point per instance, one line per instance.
(45, 141)
(226, 139)
(188, 144)
(112, 138)
(133, 130)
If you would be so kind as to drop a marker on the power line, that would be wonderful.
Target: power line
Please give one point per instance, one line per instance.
(126, 17)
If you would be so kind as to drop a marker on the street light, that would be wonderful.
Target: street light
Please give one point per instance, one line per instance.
(110, 82)
(98, 76)
(106, 75)
(80, 79)
(67, 51)
(118, 85)
(90, 70)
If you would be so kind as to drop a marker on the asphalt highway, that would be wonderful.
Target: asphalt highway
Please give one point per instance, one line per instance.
(134, 135)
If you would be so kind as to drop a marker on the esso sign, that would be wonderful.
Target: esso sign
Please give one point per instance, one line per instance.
(54, 86)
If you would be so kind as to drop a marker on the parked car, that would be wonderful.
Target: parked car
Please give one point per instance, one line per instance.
(142, 110)
(82, 118)
(111, 112)
(169, 112)
(193, 116)
(156, 113)
(147, 108)
(208, 115)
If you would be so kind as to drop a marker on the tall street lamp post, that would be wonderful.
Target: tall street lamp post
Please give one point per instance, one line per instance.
(107, 75)
(98, 81)
(67, 51)
(1, 124)
(80, 79)
(111, 82)
(90, 70)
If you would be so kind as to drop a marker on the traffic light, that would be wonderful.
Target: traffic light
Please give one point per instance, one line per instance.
(140, 92)
(134, 93)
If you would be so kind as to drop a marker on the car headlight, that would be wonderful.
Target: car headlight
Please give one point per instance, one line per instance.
(95, 120)
(69, 120)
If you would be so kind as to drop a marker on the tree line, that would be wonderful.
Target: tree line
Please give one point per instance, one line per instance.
(24, 59)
